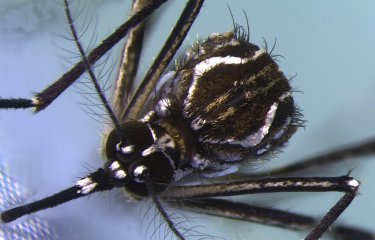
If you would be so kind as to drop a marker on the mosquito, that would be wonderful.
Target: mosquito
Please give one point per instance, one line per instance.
(167, 195)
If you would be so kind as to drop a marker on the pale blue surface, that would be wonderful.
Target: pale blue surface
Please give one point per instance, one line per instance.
(329, 45)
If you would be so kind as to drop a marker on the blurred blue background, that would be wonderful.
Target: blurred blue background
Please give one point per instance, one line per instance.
(328, 45)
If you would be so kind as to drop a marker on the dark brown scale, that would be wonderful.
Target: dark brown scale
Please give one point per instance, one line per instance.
(232, 100)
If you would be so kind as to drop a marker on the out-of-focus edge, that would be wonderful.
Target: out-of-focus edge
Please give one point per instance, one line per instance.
(30, 227)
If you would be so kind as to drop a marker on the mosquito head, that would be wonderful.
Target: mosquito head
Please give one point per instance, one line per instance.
(147, 157)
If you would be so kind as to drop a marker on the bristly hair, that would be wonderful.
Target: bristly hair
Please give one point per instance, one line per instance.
(157, 227)
(92, 104)
(89, 69)
(240, 33)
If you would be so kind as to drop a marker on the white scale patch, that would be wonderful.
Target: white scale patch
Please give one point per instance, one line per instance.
(149, 150)
(255, 138)
(138, 171)
(233, 42)
(228, 169)
(199, 162)
(284, 95)
(114, 166)
(288, 121)
(198, 123)
(35, 101)
(263, 150)
(147, 117)
(164, 80)
(128, 149)
(283, 127)
(208, 64)
(87, 185)
(213, 35)
(154, 137)
(353, 183)
(161, 143)
(120, 174)
(162, 108)
(164, 142)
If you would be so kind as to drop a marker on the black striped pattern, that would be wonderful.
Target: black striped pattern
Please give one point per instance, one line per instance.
(235, 99)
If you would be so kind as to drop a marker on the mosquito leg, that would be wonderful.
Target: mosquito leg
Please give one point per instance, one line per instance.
(266, 216)
(130, 60)
(266, 185)
(164, 57)
(47, 96)
(338, 155)
(316, 184)
(350, 151)
(331, 216)
(164, 215)
(17, 103)
(89, 69)
(94, 182)
(246, 212)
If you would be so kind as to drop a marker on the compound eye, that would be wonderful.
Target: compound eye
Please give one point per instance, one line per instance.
(115, 149)
(136, 136)
(154, 170)
(112, 145)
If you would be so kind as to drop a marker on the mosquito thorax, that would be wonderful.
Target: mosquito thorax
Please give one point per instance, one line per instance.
(145, 159)
(234, 100)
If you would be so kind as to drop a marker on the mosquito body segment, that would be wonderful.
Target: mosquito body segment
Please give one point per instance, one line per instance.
(227, 102)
